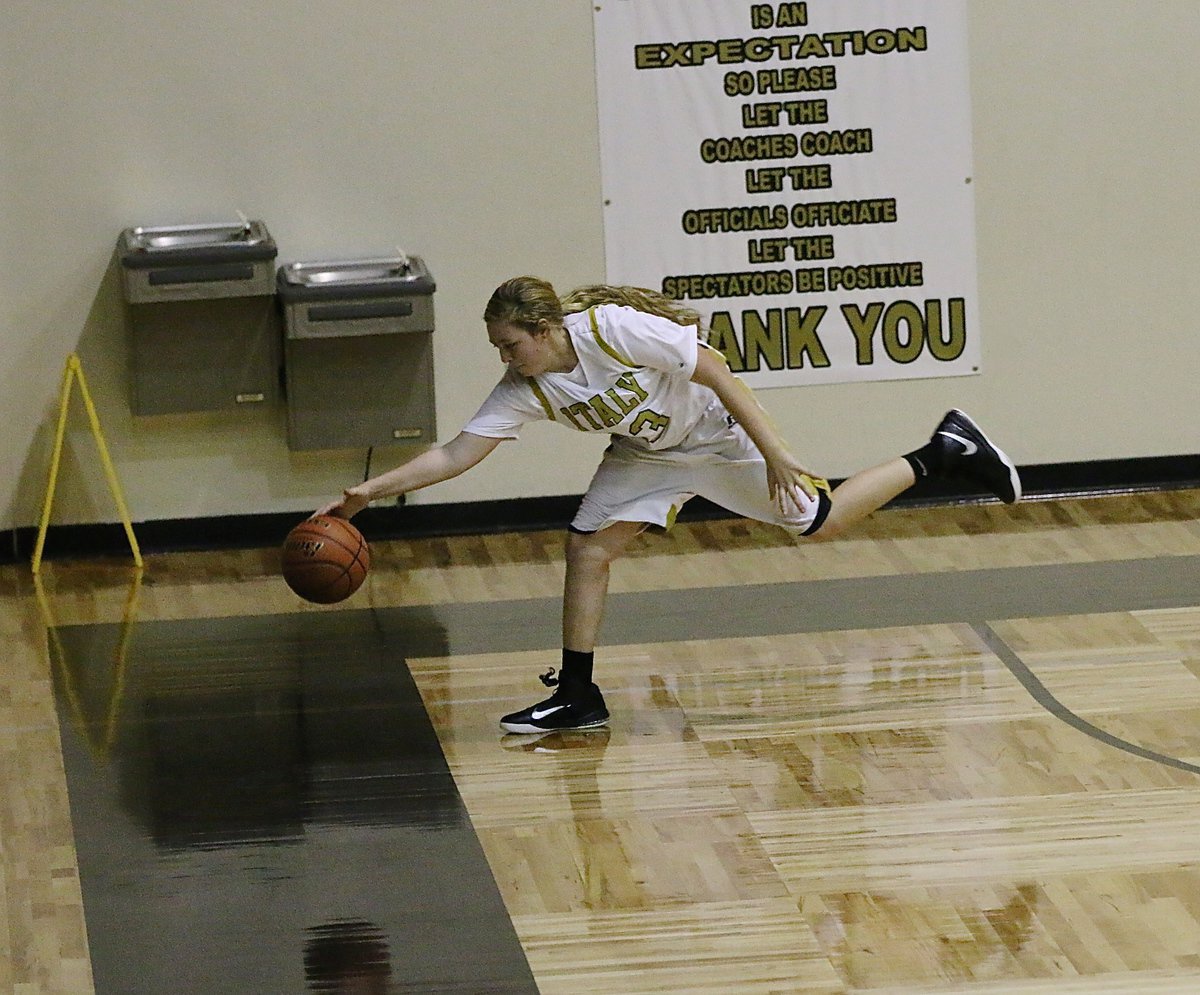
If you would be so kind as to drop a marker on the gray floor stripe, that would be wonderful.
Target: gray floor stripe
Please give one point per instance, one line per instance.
(808, 606)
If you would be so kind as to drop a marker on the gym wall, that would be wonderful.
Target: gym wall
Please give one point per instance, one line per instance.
(467, 133)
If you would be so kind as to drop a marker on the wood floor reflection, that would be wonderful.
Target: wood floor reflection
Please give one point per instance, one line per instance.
(877, 806)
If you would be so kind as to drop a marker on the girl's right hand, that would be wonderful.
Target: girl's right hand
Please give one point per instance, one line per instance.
(351, 503)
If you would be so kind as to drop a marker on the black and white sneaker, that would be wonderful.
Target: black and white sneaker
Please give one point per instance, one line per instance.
(968, 452)
(572, 706)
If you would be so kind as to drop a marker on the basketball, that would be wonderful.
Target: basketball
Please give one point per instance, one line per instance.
(325, 559)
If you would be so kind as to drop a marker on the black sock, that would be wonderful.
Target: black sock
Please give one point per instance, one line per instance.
(576, 667)
(926, 461)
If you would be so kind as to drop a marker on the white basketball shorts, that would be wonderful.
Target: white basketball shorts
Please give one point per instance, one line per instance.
(635, 485)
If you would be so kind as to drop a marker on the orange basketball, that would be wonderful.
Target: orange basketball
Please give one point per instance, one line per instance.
(325, 559)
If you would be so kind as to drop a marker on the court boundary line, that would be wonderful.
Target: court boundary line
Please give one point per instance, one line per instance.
(1041, 694)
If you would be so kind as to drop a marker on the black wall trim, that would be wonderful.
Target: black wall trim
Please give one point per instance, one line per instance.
(1053, 480)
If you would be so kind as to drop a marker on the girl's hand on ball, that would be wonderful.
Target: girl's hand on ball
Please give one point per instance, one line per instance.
(351, 504)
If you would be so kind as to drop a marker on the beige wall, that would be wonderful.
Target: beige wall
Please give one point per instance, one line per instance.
(467, 132)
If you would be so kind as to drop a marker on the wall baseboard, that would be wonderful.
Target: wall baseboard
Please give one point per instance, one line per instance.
(1044, 482)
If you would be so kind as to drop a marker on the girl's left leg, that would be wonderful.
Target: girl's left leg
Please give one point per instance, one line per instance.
(864, 492)
(958, 446)
(741, 486)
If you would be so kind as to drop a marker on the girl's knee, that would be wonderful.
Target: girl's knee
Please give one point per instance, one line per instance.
(828, 529)
(596, 550)
(826, 522)
(587, 550)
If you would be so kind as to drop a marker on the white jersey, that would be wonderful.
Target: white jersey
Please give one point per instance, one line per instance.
(673, 439)
(633, 380)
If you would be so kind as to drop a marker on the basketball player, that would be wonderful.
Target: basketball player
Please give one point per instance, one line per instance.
(632, 363)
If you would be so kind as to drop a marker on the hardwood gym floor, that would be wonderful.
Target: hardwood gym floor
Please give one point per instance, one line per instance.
(956, 751)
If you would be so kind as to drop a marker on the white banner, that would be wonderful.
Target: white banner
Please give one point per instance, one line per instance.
(800, 174)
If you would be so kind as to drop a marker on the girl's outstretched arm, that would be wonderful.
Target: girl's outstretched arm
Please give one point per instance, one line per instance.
(430, 467)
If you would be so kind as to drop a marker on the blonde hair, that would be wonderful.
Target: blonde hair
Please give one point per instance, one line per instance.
(527, 301)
